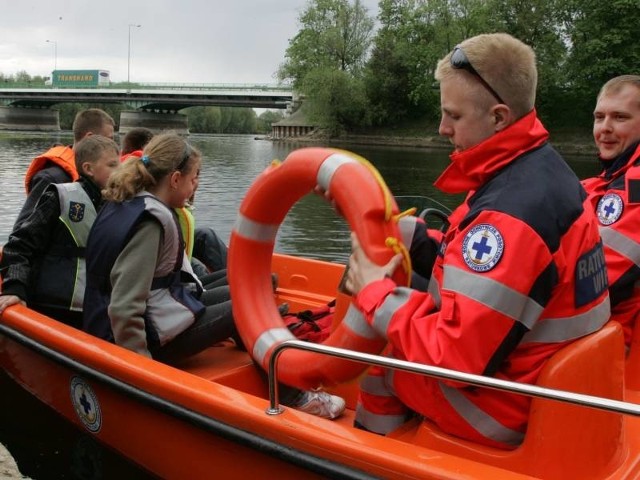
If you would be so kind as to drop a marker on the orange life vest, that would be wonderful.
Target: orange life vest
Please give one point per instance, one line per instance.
(60, 155)
(135, 153)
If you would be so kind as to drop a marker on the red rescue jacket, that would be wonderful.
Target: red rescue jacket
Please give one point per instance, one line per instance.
(506, 292)
(614, 196)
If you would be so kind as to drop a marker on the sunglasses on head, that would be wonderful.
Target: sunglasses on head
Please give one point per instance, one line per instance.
(460, 61)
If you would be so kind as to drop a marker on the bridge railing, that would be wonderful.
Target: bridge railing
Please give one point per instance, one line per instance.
(217, 86)
(162, 86)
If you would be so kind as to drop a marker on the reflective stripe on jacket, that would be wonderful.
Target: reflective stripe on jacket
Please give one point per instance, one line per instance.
(614, 196)
(61, 273)
(519, 275)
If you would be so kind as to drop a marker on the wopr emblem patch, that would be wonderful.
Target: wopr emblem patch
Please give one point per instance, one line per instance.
(76, 211)
(609, 208)
(482, 247)
(85, 403)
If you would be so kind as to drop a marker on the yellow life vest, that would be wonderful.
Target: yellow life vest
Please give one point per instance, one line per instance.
(188, 227)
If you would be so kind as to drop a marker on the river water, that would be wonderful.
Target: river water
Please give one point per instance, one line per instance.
(44, 446)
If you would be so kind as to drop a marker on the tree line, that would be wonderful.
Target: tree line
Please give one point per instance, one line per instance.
(354, 75)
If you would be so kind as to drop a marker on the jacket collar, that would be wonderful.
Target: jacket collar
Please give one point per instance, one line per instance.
(473, 167)
(621, 163)
(92, 189)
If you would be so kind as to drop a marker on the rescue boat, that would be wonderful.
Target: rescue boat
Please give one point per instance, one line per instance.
(215, 415)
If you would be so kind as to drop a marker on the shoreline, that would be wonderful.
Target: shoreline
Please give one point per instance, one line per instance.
(565, 147)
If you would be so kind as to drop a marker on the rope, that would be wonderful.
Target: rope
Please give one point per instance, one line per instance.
(398, 247)
(388, 204)
(406, 213)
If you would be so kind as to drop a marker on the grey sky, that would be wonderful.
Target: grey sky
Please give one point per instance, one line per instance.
(188, 41)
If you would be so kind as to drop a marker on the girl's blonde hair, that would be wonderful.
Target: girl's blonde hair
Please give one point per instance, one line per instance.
(505, 63)
(163, 155)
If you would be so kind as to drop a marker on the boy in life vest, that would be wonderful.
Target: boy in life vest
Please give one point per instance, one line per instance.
(43, 260)
(134, 141)
(615, 194)
(506, 290)
(57, 164)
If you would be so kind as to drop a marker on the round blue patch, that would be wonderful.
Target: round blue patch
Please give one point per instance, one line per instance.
(85, 403)
(482, 247)
(609, 208)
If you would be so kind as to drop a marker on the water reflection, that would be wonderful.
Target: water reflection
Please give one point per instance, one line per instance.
(46, 446)
(231, 163)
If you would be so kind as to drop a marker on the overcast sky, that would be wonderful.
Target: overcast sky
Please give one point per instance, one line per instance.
(187, 41)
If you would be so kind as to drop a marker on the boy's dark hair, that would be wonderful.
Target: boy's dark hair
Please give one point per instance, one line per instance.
(90, 149)
(136, 139)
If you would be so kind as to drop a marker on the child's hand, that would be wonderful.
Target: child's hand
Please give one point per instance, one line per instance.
(8, 300)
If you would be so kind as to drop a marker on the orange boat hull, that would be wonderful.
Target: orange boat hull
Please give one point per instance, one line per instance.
(207, 418)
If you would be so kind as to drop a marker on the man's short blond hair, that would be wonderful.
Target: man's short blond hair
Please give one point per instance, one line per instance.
(616, 84)
(505, 63)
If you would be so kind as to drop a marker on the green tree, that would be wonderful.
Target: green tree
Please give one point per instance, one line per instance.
(221, 120)
(329, 52)
(203, 119)
(265, 119)
(334, 34)
(336, 101)
(603, 44)
(413, 35)
(539, 23)
(387, 77)
(68, 111)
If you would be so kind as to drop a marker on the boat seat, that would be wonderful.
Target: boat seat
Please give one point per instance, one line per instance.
(562, 440)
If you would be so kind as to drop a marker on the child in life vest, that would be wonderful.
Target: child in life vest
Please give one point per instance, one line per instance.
(142, 293)
(206, 251)
(43, 261)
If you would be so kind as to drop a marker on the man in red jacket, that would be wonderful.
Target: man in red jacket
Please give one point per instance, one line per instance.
(615, 193)
(519, 274)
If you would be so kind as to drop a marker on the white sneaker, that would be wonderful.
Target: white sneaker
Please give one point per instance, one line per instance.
(321, 404)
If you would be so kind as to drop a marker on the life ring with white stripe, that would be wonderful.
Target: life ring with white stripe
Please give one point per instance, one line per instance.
(371, 212)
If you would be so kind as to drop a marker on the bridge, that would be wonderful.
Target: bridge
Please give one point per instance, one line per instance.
(153, 105)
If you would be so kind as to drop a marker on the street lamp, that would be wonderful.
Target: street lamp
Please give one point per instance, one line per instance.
(55, 53)
(129, 52)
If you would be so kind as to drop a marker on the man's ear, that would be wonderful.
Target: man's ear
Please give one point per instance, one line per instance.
(502, 116)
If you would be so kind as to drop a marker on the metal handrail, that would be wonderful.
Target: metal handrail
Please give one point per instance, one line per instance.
(591, 401)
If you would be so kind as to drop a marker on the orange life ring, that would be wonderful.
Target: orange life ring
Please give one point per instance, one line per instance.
(370, 211)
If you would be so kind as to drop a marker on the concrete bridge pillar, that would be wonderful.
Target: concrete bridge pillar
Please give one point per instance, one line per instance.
(15, 118)
(157, 122)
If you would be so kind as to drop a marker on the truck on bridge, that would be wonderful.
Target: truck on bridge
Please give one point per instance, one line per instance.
(78, 79)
